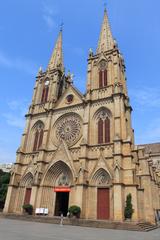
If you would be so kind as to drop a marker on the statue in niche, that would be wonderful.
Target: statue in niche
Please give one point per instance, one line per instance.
(63, 180)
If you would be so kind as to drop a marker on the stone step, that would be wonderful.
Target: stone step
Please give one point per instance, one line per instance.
(145, 227)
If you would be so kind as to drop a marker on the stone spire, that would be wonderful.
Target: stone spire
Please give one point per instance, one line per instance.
(56, 60)
(106, 41)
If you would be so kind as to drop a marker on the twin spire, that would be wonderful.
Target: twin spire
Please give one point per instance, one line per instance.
(56, 60)
(106, 42)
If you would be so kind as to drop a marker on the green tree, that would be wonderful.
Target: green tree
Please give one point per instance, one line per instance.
(129, 207)
(4, 181)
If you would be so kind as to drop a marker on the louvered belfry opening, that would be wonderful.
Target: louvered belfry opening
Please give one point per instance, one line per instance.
(103, 81)
(45, 91)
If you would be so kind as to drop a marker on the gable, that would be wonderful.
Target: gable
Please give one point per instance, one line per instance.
(70, 97)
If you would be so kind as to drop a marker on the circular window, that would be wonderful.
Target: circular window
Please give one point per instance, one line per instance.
(69, 98)
(67, 128)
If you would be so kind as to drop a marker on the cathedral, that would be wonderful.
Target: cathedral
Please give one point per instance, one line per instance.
(78, 149)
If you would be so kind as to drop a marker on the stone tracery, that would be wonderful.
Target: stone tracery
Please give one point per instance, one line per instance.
(68, 128)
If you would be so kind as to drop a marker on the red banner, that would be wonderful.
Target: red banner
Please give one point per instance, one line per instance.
(62, 189)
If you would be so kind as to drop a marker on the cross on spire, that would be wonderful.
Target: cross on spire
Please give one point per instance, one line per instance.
(61, 26)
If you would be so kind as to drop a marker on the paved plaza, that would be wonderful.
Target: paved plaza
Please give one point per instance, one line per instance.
(22, 230)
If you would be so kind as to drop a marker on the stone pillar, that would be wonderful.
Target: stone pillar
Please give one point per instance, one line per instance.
(33, 196)
(10, 199)
(118, 214)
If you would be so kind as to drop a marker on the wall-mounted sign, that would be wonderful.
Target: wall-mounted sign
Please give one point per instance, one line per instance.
(62, 189)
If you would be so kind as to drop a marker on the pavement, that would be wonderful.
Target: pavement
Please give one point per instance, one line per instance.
(23, 230)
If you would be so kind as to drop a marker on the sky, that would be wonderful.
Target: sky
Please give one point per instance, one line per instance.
(28, 31)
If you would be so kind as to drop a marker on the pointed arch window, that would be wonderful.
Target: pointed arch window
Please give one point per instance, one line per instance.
(103, 130)
(100, 131)
(45, 91)
(107, 130)
(103, 81)
(38, 137)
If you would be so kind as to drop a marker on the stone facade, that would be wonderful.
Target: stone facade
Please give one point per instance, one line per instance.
(79, 149)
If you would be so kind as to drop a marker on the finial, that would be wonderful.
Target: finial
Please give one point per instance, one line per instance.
(90, 52)
(40, 70)
(70, 77)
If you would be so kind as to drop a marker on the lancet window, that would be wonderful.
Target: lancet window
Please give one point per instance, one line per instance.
(103, 128)
(103, 79)
(38, 136)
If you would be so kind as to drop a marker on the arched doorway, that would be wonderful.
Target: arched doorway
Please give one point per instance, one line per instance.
(102, 181)
(25, 191)
(62, 190)
(59, 178)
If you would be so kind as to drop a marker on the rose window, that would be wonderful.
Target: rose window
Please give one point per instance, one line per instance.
(68, 128)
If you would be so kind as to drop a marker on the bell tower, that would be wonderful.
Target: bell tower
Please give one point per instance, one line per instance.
(106, 80)
(111, 112)
(51, 84)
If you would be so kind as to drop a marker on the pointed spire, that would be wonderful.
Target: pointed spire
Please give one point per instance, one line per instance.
(57, 55)
(106, 41)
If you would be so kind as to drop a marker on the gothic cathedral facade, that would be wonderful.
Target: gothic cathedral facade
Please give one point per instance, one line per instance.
(79, 149)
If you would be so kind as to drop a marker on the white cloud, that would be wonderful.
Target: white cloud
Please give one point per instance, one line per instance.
(149, 97)
(15, 114)
(49, 13)
(18, 63)
(18, 105)
(14, 120)
(49, 21)
(49, 9)
(152, 133)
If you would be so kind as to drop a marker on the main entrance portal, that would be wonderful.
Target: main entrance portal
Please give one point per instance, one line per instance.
(61, 207)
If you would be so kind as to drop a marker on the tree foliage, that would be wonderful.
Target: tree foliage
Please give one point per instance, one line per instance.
(4, 181)
(129, 207)
(74, 211)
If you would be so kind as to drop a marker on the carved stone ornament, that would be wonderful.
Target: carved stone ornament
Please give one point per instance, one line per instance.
(102, 65)
(63, 180)
(67, 128)
(102, 115)
(103, 179)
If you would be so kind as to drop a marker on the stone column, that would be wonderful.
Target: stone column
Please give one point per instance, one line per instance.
(118, 214)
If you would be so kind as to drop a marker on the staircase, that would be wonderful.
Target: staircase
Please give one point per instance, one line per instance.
(130, 226)
(146, 227)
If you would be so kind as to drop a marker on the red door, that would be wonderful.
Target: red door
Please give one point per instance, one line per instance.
(103, 203)
(27, 196)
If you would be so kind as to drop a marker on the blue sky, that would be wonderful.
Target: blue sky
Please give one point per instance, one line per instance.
(28, 31)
